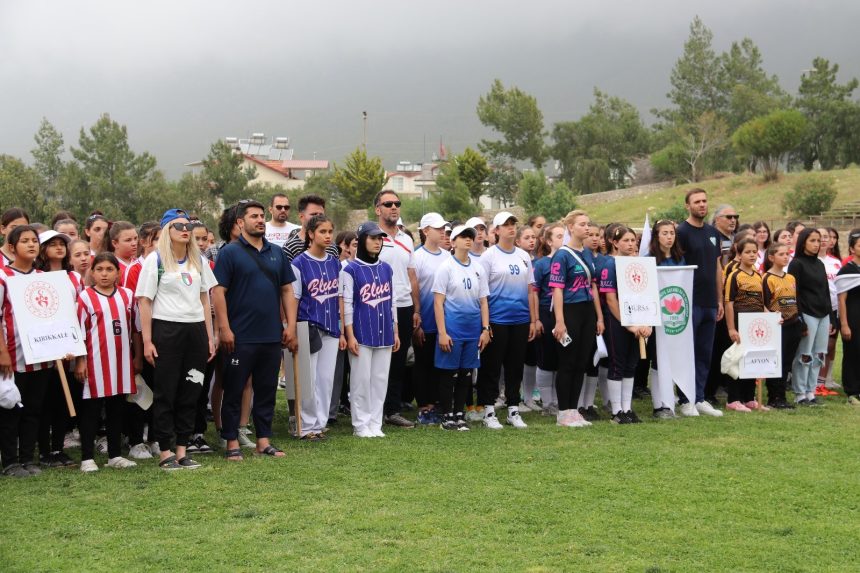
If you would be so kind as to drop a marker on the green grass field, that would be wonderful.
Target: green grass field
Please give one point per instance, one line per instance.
(753, 198)
(774, 491)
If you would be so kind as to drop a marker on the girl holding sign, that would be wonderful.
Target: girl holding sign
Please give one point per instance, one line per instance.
(621, 341)
(780, 295)
(577, 316)
(743, 293)
(106, 314)
(19, 427)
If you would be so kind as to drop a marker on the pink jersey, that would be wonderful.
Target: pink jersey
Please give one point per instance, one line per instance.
(10, 330)
(107, 323)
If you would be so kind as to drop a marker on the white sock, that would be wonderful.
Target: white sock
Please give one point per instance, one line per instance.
(513, 411)
(489, 410)
(581, 400)
(799, 397)
(613, 388)
(602, 375)
(626, 394)
(553, 392)
(529, 380)
(544, 381)
(655, 390)
(589, 388)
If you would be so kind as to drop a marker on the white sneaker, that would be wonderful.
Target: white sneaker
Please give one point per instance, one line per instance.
(377, 434)
(474, 416)
(89, 466)
(119, 463)
(490, 421)
(500, 402)
(72, 440)
(363, 433)
(562, 418)
(154, 448)
(832, 384)
(101, 445)
(515, 420)
(708, 410)
(531, 405)
(244, 440)
(577, 421)
(524, 408)
(689, 409)
(140, 452)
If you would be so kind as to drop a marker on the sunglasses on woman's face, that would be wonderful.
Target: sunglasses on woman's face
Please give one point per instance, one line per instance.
(183, 226)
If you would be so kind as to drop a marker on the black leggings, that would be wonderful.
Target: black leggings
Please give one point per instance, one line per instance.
(425, 376)
(508, 348)
(622, 347)
(791, 335)
(55, 415)
(89, 423)
(454, 386)
(581, 322)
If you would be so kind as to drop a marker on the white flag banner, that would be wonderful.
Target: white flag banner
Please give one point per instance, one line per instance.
(644, 244)
(675, 349)
(638, 293)
(761, 341)
(844, 283)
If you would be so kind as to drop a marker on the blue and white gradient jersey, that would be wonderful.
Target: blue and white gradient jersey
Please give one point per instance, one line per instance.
(368, 302)
(426, 265)
(316, 288)
(463, 286)
(509, 274)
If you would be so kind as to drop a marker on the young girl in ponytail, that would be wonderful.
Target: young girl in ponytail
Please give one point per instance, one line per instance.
(547, 348)
(316, 288)
(621, 341)
(780, 295)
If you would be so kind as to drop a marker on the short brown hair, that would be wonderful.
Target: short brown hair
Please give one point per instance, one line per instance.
(691, 192)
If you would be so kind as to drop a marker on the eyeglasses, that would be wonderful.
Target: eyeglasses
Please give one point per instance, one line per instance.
(282, 207)
(735, 217)
(390, 204)
(183, 226)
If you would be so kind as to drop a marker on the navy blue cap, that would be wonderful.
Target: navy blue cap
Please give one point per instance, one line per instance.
(171, 215)
(370, 228)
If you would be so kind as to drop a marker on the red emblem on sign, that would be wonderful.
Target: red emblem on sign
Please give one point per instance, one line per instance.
(759, 332)
(42, 299)
(636, 277)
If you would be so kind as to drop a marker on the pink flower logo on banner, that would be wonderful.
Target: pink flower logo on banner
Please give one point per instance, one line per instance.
(42, 299)
(759, 332)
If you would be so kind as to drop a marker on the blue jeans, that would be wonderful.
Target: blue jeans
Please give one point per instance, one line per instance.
(704, 326)
(810, 355)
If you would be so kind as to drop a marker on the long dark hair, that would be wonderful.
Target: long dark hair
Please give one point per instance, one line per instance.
(43, 264)
(800, 247)
(13, 213)
(834, 243)
(758, 225)
(312, 225)
(771, 250)
(675, 252)
(114, 232)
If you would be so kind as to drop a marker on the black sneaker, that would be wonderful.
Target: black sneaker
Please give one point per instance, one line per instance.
(399, 421)
(49, 461)
(203, 446)
(631, 415)
(781, 404)
(663, 414)
(461, 422)
(33, 468)
(620, 418)
(641, 392)
(192, 447)
(16, 470)
(64, 460)
(344, 410)
(814, 402)
(331, 422)
(590, 414)
(187, 463)
(802, 402)
(449, 422)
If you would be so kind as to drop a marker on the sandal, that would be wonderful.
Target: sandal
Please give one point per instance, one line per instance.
(169, 464)
(271, 450)
(234, 455)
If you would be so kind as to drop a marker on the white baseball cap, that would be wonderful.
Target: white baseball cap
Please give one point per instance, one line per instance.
(502, 217)
(474, 222)
(48, 235)
(433, 220)
(460, 229)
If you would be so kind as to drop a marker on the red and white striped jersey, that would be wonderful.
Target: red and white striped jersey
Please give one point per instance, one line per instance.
(77, 283)
(107, 323)
(128, 279)
(4, 260)
(10, 330)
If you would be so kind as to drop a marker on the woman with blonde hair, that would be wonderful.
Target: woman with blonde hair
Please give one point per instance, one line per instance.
(173, 294)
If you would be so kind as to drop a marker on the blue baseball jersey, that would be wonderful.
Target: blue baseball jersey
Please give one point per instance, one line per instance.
(426, 265)
(509, 274)
(317, 289)
(368, 295)
(568, 274)
(540, 274)
(607, 279)
(463, 286)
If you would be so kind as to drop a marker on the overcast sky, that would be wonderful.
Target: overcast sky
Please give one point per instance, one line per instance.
(181, 74)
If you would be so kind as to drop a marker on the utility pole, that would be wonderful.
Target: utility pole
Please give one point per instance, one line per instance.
(364, 117)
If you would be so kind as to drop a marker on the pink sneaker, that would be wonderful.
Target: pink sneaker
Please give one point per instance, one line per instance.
(577, 421)
(737, 406)
(754, 405)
